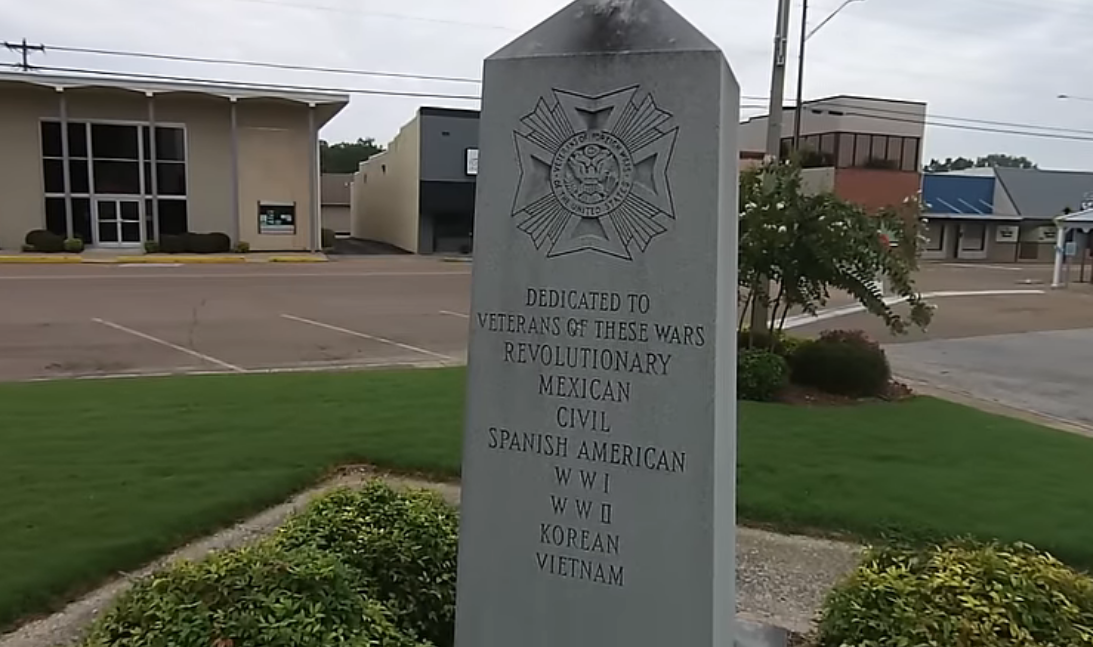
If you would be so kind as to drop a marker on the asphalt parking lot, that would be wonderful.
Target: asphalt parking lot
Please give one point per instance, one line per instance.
(71, 321)
(95, 321)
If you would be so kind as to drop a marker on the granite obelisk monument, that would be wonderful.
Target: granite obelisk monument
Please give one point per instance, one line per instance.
(600, 444)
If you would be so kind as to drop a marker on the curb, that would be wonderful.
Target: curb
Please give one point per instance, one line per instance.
(151, 259)
(171, 258)
(41, 260)
(294, 259)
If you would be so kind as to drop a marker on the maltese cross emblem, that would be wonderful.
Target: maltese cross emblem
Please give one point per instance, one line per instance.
(594, 173)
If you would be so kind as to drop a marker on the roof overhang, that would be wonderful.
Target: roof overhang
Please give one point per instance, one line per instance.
(327, 104)
(973, 216)
(1081, 221)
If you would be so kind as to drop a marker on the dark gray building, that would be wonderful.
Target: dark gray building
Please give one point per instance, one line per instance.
(419, 194)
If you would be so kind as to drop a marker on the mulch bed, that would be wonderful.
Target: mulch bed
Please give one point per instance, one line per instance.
(807, 396)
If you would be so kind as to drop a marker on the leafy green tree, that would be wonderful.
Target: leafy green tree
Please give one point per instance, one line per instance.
(345, 157)
(810, 245)
(994, 160)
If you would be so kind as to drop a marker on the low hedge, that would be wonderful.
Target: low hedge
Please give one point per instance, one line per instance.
(760, 375)
(961, 594)
(781, 343)
(262, 595)
(402, 545)
(47, 242)
(193, 243)
(842, 362)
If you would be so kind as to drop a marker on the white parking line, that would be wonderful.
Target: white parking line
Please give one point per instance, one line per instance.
(362, 335)
(977, 266)
(455, 314)
(797, 321)
(162, 342)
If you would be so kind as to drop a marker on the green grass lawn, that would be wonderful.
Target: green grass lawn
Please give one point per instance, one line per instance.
(97, 477)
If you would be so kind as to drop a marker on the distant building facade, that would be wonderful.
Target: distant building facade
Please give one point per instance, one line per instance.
(1000, 214)
(120, 162)
(865, 150)
(419, 194)
(335, 190)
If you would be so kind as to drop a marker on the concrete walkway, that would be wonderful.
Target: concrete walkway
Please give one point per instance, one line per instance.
(781, 580)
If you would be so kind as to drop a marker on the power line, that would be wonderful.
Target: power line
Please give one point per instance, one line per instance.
(275, 66)
(269, 86)
(454, 79)
(467, 97)
(25, 50)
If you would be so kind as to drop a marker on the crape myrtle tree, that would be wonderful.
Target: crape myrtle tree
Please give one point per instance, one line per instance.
(810, 244)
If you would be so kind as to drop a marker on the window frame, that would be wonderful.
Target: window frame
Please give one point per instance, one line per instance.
(143, 160)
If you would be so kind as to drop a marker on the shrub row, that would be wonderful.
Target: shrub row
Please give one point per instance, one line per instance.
(844, 363)
(370, 568)
(47, 242)
(192, 243)
(961, 594)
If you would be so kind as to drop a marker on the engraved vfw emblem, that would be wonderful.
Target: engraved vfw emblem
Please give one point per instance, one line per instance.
(594, 173)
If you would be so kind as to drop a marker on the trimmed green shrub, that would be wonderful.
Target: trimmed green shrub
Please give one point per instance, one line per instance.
(45, 241)
(219, 243)
(328, 238)
(402, 544)
(74, 245)
(151, 246)
(960, 595)
(760, 375)
(261, 595)
(843, 363)
(242, 247)
(783, 344)
(173, 243)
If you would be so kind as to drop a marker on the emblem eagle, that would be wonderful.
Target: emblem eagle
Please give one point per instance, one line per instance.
(594, 173)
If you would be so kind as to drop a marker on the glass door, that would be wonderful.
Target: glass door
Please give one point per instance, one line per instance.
(118, 222)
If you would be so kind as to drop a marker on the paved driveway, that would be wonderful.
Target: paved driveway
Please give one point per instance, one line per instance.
(1050, 373)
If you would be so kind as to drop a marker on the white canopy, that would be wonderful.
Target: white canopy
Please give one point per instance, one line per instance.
(1080, 221)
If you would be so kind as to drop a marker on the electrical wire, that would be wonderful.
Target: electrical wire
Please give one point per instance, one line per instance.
(259, 64)
(268, 86)
(1006, 128)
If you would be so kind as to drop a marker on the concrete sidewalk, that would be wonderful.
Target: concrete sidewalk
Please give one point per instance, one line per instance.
(101, 258)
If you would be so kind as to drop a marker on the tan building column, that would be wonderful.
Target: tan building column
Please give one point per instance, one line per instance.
(236, 226)
(154, 181)
(313, 180)
(63, 112)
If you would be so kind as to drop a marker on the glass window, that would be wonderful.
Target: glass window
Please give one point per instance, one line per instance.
(81, 219)
(53, 173)
(111, 141)
(895, 151)
(170, 144)
(172, 217)
(55, 216)
(827, 143)
(910, 154)
(812, 141)
(862, 151)
(51, 139)
(170, 178)
(117, 178)
(78, 176)
(880, 148)
(77, 140)
(846, 150)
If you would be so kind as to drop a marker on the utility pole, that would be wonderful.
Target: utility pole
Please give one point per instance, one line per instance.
(25, 50)
(759, 311)
(799, 107)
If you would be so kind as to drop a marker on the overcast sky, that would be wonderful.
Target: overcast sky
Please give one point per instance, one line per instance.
(999, 60)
